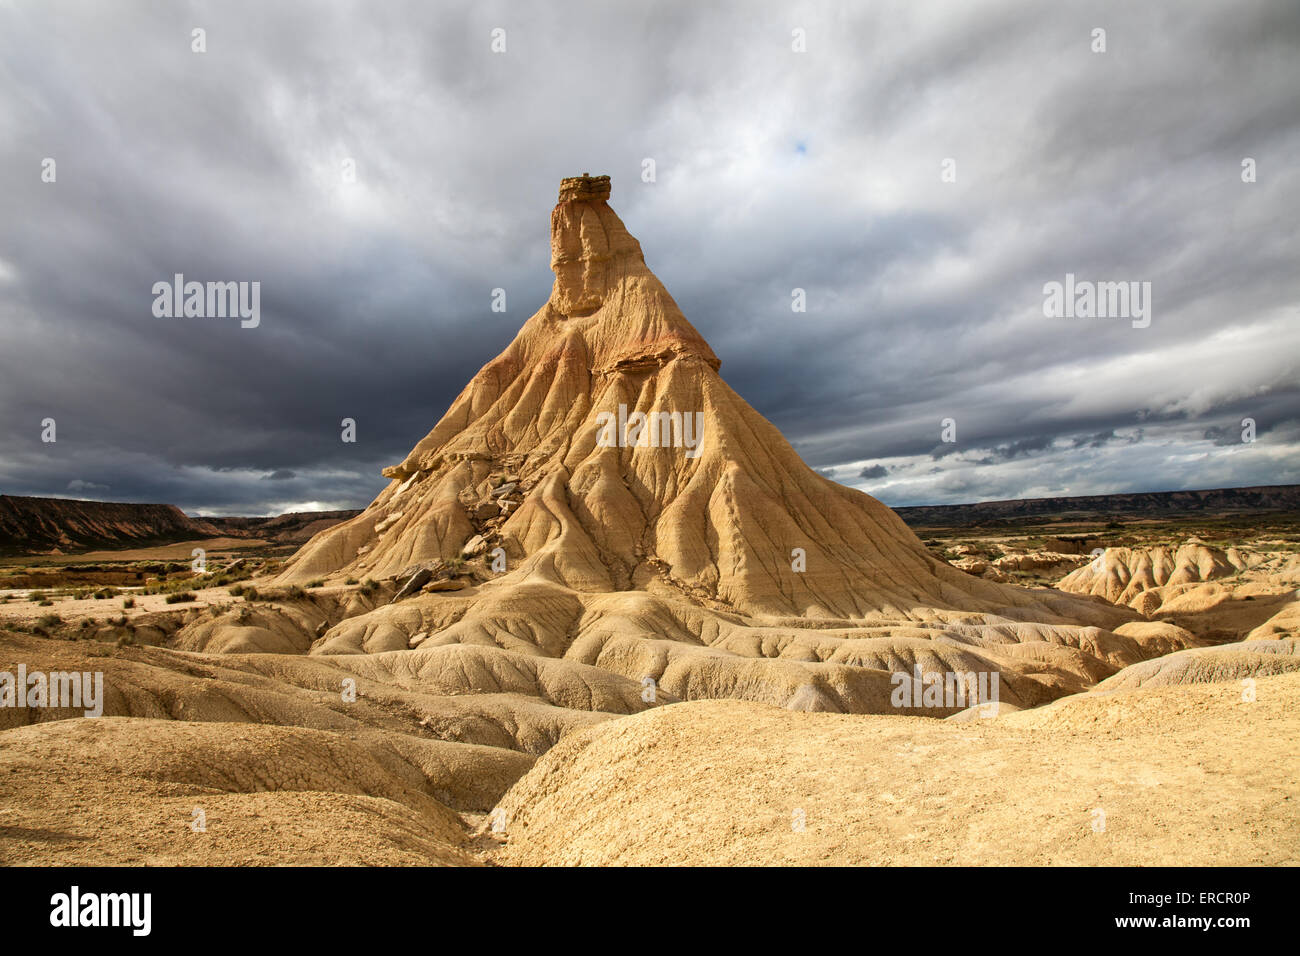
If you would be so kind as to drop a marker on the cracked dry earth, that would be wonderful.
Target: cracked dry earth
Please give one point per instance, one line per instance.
(504, 607)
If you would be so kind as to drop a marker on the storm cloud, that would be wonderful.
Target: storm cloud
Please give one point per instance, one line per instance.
(921, 170)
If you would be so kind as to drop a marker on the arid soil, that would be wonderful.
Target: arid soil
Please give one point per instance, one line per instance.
(1180, 775)
(1191, 757)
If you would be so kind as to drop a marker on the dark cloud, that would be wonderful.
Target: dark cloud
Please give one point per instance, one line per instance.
(775, 171)
(1022, 447)
(1096, 440)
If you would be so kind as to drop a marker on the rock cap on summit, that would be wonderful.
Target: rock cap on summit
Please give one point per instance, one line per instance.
(585, 188)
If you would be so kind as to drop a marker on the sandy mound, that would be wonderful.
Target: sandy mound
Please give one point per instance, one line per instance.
(1125, 575)
(736, 783)
(1285, 623)
(1158, 637)
(114, 791)
(691, 652)
(1220, 595)
(1228, 662)
(470, 733)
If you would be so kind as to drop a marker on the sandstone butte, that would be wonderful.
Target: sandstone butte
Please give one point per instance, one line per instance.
(681, 567)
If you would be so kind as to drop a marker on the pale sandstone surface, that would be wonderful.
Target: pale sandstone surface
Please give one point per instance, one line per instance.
(1184, 775)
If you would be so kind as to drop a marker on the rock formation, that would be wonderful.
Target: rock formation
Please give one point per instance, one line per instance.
(1144, 578)
(620, 505)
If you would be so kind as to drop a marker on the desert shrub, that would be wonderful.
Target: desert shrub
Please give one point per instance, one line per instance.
(49, 620)
(369, 586)
(128, 602)
(317, 583)
(180, 597)
(46, 603)
(250, 594)
(237, 590)
(36, 596)
(295, 592)
(161, 586)
(351, 581)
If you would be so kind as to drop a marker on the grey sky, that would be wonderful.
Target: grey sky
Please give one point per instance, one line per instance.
(775, 170)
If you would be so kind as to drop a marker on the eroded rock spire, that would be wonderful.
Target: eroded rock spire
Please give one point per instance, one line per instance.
(591, 249)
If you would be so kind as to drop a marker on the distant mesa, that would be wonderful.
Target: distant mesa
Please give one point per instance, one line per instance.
(58, 525)
(1200, 504)
(34, 526)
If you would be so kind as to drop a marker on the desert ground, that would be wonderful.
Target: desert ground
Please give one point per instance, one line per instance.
(553, 641)
(460, 756)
